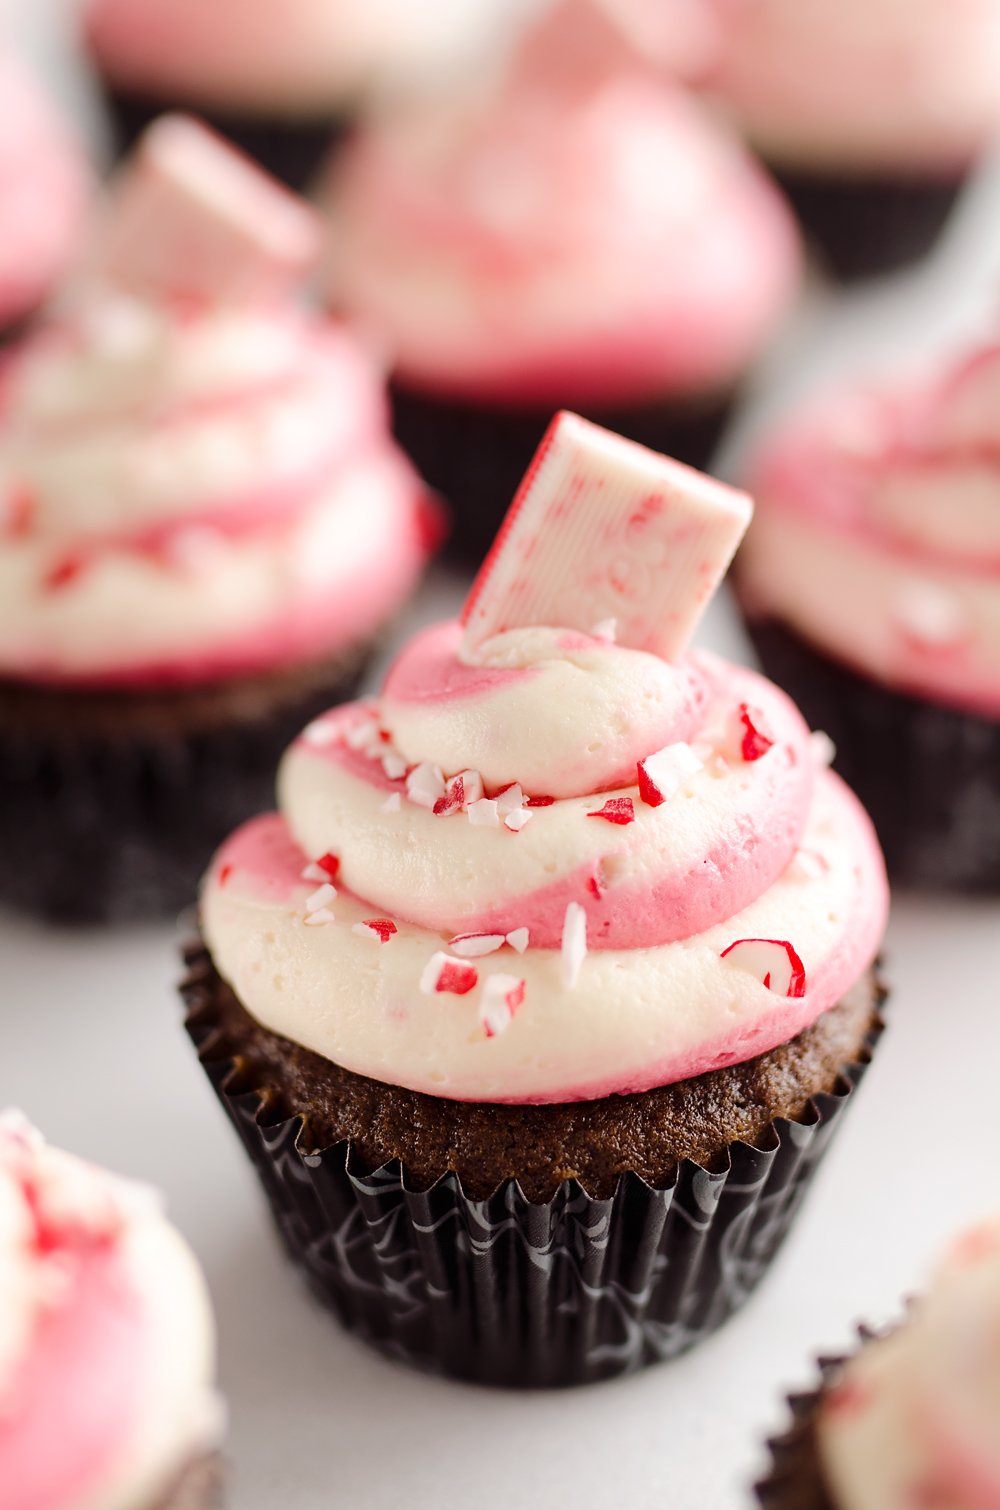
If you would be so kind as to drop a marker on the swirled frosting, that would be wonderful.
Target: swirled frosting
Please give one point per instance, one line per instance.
(190, 491)
(913, 1418)
(561, 244)
(106, 1337)
(877, 533)
(864, 84)
(521, 879)
(44, 186)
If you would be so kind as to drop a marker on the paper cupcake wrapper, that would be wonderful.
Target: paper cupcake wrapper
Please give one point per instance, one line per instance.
(510, 1292)
(199, 1487)
(475, 455)
(867, 227)
(99, 828)
(929, 775)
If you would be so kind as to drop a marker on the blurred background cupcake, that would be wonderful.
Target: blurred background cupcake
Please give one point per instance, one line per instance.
(870, 112)
(910, 1420)
(279, 77)
(871, 582)
(206, 525)
(575, 231)
(45, 187)
(107, 1346)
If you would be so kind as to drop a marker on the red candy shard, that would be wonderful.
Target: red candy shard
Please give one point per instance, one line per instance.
(501, 997)
(443, 973)
(756, 740)
(774, 962)
(330, 865)
(616, 810)
(225, 871)
(649, 792)
(63, 573)
(384, 927)
(603, 528)
(453, 800)
(595, 884)
(539, 801)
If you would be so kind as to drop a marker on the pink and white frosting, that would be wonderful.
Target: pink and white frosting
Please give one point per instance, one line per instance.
(877, 534)
(190, 491)
(861, 85)
(298, 58)
(913, 1419)
(106, 1337)
(44, 188)
(593, 242)
(521, 877)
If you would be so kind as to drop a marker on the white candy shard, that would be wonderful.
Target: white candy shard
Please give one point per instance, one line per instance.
(574, 944)
(483, 814)
(663, 774)
(315, 872)
(930, 615)
(189, 216)
(364, 734)
(321, 915)
(321, 897)
(516, 820)
(509, 800)
(321, 732)
(393, 803)
(772, 961)
(472, 784)
(602, 524)
(822, 748)
(425, 784)
(475, 945)
(606, 630)
(518, 939)
(394, 766)
(808, 865)
(500, 998)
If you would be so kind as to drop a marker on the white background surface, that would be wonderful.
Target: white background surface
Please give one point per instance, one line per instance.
(92, 1049)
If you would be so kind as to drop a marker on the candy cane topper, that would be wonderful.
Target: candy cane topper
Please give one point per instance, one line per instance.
(190, 216)
(602, 528)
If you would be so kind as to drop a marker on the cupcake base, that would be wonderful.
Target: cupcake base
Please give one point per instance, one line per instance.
(611, 1249)
(476, 456)
(111, 803)
(928, 774)
(292, 151)
(865, 227)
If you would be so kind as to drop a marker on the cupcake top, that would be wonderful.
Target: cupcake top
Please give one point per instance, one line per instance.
(297, 58)
(196, 473)
(877, 534)
(862, 85)
(581, 232)
(44, 188)
(912, 1420)
(106, 1337)
(559, 856)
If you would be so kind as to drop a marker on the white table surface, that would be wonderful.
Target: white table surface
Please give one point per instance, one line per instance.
(93, 1050)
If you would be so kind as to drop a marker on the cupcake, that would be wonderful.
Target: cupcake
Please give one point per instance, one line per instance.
(206, 525)
(910, 1420)
(537, 1002)
(44, 189)
(107, 1344)
(871, 581)
(582, 234)
(870, 112)
(280, 78)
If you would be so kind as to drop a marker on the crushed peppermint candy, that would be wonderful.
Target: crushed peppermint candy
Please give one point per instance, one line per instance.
(443, 973)
(475, 945)
(321, 897)
(518, 939)
(453, 800)
(425, 784)
(393, 803)
(756, 740)
(321, 732)
(472, 786)
(773, 961)
(501, 996)
(539, 801)
(363, 735)
(326, 868)
(381, 929)
(483, 814)
(225, 871)
(321, 915)
(616, 810)
(574, 944)
(931, 616)
(606, 630)
(508, 798)
(822, 748)
(808, 865)
(517, 818)
(394, 766)
(663, 774)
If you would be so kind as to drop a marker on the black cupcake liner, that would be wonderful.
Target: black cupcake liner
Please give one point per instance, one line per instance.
(292, 151)
(476, 456)
(509, 1292)
(928, 774)
(106, 825)
(866, 227)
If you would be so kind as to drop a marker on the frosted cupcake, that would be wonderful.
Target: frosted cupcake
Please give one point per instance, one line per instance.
(871, 580)
(582, 234)
(871, 112)
(107, 1344)
(44, 188)
(278, 77)
(206, 526)
(911, 1419)
(540, 997)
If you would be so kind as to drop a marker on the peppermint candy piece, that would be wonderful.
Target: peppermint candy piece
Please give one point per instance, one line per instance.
(773, 961)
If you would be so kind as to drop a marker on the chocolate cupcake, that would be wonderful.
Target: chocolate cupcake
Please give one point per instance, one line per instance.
(207, 525)
(45, 184)
(871, 582)
(538, 1001)
(580, 234)
(280, 78)
(871, 113)
(107, 1350)
(910, 1419)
